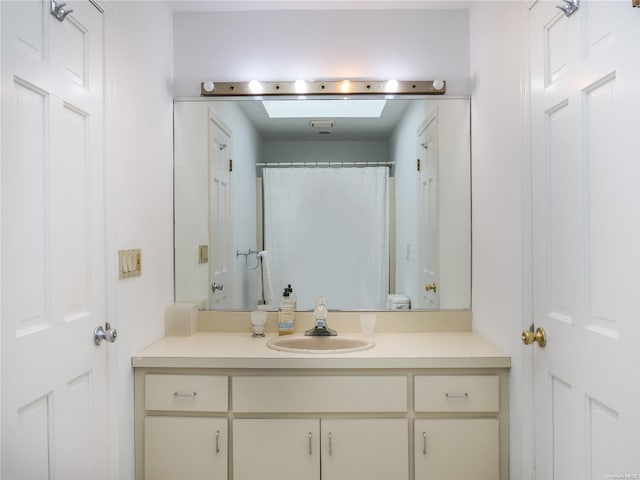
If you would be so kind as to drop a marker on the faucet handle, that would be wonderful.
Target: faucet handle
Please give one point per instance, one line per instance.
(320, 310)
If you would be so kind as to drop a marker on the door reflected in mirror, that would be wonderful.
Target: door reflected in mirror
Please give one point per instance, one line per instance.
(367, 204)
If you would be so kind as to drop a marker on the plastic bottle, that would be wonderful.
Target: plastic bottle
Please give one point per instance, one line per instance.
(285, 315)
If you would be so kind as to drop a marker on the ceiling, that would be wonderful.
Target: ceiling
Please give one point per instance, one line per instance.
(253, 5)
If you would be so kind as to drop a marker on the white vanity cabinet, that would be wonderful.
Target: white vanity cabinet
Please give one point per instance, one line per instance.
(185, 447)
(206, 412)
(451, 449)
(178, 441)
(365, 449)
(264, 449)
(353, 437)
(454, 447)
(354, 449)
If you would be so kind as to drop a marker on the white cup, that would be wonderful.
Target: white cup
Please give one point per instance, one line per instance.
(258, 322)
(257, 330)
(368, 325)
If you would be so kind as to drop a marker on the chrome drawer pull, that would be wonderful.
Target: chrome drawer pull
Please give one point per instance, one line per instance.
(310, 452)
(456, 395)
(424, 443)
(184, 395)
(330, 444)
(217, 441)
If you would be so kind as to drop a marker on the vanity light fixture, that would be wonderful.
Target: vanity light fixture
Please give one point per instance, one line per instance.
(330, 87)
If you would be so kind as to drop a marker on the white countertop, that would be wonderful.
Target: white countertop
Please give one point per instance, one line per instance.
(392, 350)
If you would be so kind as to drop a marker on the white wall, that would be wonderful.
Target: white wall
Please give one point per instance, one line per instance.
(325, 151)
(499, 177)
(323, 44)
(139, 195)
(192, 201)
(454, 221)
(191, 205)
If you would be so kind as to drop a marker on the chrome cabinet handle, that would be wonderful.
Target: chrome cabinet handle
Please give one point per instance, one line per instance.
(216, 286)
(217, 441)
(184, 395)
(424, 443)
(330, 444)
(456, 395)
(310, 452)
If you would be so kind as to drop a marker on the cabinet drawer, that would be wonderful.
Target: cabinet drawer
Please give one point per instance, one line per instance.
(379, 393)
(189, 393)
(456, 393)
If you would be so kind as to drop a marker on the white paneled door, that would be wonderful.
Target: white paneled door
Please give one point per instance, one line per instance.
(428, 220)
(586, 244)
(220, 214)
(54, 386)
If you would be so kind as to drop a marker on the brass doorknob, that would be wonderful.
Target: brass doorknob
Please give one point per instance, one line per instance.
(431, 287)
(540, 337)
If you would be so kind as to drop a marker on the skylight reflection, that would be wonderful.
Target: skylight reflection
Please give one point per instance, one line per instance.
(352, 108)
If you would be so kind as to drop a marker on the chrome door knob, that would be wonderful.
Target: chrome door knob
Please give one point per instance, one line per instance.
(100, 333)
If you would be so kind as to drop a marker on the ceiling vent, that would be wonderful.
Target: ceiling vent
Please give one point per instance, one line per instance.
(322, 123)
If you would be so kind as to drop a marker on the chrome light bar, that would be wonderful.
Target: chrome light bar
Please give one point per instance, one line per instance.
(331, 87)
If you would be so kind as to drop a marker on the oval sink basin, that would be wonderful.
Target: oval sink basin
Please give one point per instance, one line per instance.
(304, 344)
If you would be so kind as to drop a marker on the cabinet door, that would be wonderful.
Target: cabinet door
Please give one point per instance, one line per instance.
(276, 449)
(365, 449)
(185, 447)
(451, 449)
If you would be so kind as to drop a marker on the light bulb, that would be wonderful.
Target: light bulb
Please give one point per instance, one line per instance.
(438, 84)
(255, 86)
(345, 86)
(301, 86)
(392, 86)
(209, 86)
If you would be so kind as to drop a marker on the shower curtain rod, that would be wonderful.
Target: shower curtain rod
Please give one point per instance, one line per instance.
(324, 164)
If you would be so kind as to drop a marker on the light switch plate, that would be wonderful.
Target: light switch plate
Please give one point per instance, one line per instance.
(130, 263)
(203, 253)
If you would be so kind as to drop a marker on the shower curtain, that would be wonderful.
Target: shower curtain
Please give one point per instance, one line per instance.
(327, 231)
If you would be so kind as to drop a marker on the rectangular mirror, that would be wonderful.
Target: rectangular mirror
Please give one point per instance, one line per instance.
(364, 200)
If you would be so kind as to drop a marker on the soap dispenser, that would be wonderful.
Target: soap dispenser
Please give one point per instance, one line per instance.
(293, 300)
(285, 314)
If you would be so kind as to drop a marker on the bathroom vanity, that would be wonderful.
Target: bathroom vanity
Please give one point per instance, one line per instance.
(222, 405)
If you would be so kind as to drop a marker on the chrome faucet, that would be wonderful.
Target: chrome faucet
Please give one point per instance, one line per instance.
(320, 316)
